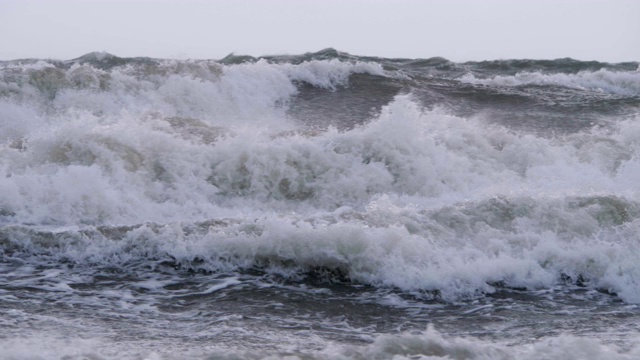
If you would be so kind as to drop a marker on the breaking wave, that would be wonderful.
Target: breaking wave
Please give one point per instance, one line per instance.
(200, 164)
(606, 81)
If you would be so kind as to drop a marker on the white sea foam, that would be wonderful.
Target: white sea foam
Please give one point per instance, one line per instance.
(429, 344)
(417, 206)
(415, 199)
(622, 83)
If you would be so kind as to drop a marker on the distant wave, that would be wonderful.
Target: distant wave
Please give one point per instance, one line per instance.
(623, 83)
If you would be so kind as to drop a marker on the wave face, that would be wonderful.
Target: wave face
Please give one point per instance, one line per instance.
(422, 181)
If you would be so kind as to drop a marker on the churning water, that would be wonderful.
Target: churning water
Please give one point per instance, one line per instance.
(321, 206)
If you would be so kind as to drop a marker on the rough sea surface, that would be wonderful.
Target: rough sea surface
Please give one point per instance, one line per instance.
(320, 206)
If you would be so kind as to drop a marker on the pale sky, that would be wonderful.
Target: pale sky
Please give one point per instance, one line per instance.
(460, 30)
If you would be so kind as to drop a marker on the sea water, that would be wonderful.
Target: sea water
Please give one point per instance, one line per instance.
(320, 206)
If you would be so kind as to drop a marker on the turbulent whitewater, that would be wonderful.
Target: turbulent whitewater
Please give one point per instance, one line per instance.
(319, 206)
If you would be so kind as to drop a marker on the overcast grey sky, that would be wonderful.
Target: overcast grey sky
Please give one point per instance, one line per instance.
(606, 30)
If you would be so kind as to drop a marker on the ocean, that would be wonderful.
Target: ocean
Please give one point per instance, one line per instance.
(319, 206)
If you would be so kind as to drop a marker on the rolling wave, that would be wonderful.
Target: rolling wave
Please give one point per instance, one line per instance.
(384, 172)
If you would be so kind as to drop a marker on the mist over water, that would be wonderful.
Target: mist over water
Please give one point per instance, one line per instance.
(319, 206)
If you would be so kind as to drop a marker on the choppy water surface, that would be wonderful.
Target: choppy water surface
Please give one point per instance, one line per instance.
(319, 206)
